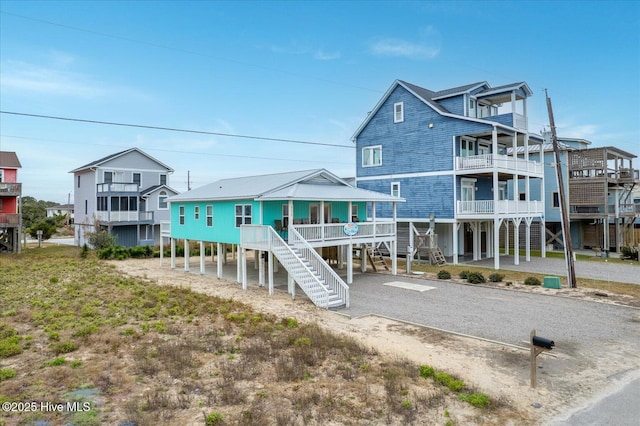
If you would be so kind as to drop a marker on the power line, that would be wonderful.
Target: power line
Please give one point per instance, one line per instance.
(173, 129)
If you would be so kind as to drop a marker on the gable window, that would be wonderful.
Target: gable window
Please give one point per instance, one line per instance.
(136, 178)
(196, 212)
(243, 214)
(181, 215)
(398, 112)
(395, 189)
(163, 179)
(372, 156)
(555, 196)
(209, 213)
(108, 177)
(162, 200)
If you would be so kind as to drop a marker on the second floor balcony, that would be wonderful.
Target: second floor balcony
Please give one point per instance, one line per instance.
(502, 163)
(9, 220)
(488, 208)
(125, 216)
(119, 187)
(10, 189)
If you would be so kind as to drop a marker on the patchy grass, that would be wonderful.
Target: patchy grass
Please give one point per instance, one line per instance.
(175, 355)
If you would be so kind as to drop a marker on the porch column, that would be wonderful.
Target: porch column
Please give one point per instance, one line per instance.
(488, 244)
(202, 255)
(476, 240)
(506, 238)
(223, 254)
(212, 253)
(243, 260)
(394, 243)
(350, 264)
(516, 240)
(411, 246)
(173, 253)
(186, 255)
(527, 238)
(363, 258)
(496, 242)
(238, 266)
(322, 220)
(454, 245)
(270, 265)
(290, 224)
(259, 254)
(220, 258)
(543, 238)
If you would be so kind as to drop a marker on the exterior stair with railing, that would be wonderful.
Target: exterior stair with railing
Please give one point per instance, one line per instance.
(314, 276)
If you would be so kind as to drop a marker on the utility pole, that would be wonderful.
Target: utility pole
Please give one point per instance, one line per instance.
(566, 231)
(188, 180)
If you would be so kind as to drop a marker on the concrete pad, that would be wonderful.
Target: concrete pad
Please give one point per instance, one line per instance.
(409, 286)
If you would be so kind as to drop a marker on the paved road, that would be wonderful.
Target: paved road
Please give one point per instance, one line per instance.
(626, 273)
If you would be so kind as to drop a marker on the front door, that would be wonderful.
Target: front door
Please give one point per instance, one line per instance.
(314, 213)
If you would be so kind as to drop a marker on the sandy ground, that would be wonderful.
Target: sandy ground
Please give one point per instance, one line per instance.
(499, 370)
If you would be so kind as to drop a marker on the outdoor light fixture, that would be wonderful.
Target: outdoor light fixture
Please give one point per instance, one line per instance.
(431, 125)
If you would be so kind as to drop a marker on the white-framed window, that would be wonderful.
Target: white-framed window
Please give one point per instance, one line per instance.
(108, 177)
(372, 156)
(285, 215)
(243, 214)
(472, 108)
(467, 147)
(354, 213)
(555, 199)
(502, 191)
(162, 200)
(163, 179)
(209, 213)
(398, 112)
(523, 196)
(136, 178)
(196, 212)
(181, 215)
(395, 189)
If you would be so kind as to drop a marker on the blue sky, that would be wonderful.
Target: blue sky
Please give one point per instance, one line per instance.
(305, 71)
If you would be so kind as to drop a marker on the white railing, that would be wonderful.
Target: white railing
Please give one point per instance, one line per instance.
(165, 229)
(504, 162)
(118, 187)
(330, 277)
(501, 207)
(335, 231)
(128, 216)
(307, 269)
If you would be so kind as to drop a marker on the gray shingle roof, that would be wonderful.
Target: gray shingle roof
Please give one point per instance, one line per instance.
(9, 160)
(118, 154)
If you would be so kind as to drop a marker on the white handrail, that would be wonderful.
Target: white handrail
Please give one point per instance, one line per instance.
(330, 277)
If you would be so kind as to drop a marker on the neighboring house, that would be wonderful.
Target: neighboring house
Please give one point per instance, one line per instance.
(292, 217)
(126, 193)
(61, 209)
(446, 153)
(10, 202)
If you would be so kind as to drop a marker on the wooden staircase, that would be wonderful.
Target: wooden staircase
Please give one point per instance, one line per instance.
(376, 259)
(436, 256)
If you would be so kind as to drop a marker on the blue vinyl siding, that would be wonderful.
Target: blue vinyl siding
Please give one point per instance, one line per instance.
(424, 195)
(454, 105)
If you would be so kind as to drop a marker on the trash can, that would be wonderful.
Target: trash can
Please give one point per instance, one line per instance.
(551, 282)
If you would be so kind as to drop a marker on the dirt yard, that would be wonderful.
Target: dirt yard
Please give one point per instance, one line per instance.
(499, 370)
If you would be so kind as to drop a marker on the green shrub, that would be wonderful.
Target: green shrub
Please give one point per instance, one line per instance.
(476, 278)
(464, 274)
(496, 277)
(444, 275)
(426, 371)
(445, 379)
(56, 362)
(213, 419)
(64, 347)
(479, 400)
(6, 374)
(85, 251)
(10, 347)
(628, 253)
(531, 281)
(7, 331)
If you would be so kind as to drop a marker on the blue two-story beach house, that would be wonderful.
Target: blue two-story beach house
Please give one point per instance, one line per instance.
(452, 154)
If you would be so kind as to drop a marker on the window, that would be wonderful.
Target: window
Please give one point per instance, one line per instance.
(398, 112)
(467, 148)
(136, 178)
(115, 204)
(243, 214)
(196, 212)
(209, 215)
(1, 175)
(181, 215)
(78, 181)
(395, 189)
(354, 213)
(163, 179)
(162, 200)
(285, 215)
(523, 196)
(555, 196)
(86, 206)
(472, 108)
(372, 156)
(502, 191)
(108, 177)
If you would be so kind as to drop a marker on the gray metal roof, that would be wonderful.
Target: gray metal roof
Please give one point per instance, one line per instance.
(317, 184)
(116, 155)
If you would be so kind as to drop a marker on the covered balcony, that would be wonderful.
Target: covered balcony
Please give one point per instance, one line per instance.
(501, 163)
(8, 220)
(125, 216)
(10, 189)
(117, 187)
(488, 208)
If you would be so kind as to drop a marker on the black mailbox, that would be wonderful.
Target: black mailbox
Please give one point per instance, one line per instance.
(543, 343)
